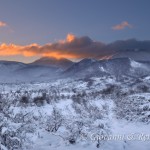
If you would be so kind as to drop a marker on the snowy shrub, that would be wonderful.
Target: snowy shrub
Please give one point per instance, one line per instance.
(110, 89)
(9, 139)
(54, 121)
(39, 101)
(146, 108)
(143, 88)
(24, 100)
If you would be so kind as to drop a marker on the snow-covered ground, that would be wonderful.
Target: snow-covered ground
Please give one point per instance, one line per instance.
(93, 113)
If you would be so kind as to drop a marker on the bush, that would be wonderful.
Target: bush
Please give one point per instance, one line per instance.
(39, 100)
(109, 90)
(143, 88)
(24, 100)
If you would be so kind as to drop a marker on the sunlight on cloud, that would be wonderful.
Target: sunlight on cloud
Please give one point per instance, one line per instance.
(71, 47)
(70, 37)
(122, 26)
(74, 48)
(2, 24)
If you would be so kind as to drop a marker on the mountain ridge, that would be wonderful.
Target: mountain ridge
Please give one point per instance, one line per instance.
(11, 71)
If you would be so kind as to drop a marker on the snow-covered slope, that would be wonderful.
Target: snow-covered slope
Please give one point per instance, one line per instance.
(85, 68)
(10, 66)
(117, 67)
(69, 114)
(48, 68)
(11, 72)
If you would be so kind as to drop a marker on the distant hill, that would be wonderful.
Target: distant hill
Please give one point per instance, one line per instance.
(62, 63)
(49, 68)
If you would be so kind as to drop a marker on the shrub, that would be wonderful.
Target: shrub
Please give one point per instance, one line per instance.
(39, 100)
(24, 100)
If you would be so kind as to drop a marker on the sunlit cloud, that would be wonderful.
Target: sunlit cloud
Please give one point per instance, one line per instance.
(122, 26)
(12, 49)
(2, 24)
(74, 48)
(70, 37)
(71, 47)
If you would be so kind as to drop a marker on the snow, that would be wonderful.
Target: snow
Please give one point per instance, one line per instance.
(102, 69)
(98, 111)
(134, 134)
(3, 147)
(3, 130)
(135, 64)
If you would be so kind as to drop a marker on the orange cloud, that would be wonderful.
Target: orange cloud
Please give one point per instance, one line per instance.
(12, 49)
(3, 24)
(71, 47)
(58, 55)
(122, 26)
(74, 48)
(70, 37)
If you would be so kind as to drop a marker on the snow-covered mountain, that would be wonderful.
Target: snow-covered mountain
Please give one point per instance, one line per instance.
(48, 68)
(8, 69)
(9, 66)
(117, 67)
(19, 72)
(62, 63)
(86, 67)
(37, 73)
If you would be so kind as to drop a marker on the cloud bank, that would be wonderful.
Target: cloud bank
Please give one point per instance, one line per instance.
(75, 48)
(71, 47)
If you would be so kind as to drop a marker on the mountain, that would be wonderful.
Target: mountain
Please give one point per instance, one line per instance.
(7, 69)
(117, 67)
(53, 62)
(47, 68)
(11, 71)
(9, 66)
(37, 73)
(86, 67)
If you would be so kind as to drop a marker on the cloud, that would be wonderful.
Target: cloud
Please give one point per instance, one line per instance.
(3, 24)
(70, 37)
(75, 48)
(71, 47)
(122, 26)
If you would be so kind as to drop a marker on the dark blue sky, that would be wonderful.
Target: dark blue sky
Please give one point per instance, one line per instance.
(44, 21)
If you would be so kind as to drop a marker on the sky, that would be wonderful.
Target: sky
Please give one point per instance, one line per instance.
(30, 29)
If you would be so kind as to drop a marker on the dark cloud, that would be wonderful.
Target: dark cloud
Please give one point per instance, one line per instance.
(78, 47)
